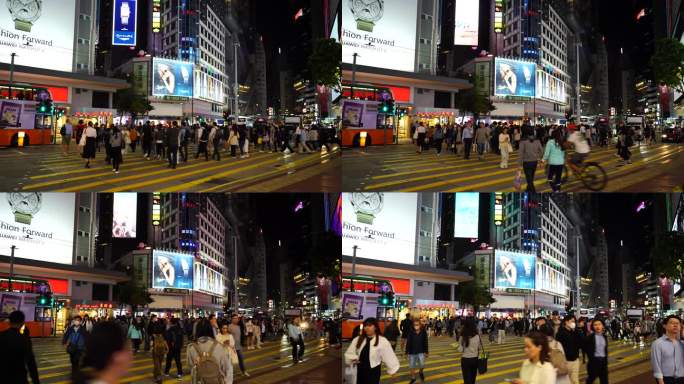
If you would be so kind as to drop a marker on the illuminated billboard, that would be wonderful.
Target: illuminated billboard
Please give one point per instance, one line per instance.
(550, 87)
(208, 280)
(124, 22)
(172, 270)
(41, 33)
(551, 280)
(498, 16)
(40, 225)
(208, 88)
(382, 225)
(125, 212)
(467, 18)
(382, 33)
(514, 270)
(467, 213)
(171, 78)
(156, 16)
(514, 78)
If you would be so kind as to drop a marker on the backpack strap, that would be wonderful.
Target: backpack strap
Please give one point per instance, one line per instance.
(213, 346)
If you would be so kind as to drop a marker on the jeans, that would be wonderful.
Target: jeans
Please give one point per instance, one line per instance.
(297, 348)
(438, 145)
(202, 148)
(116, 157)
(217, 152)
(241, 360)
(469, 369)
(184, 152)
(173, 156)
(75, 359)
(467, 144)
(480, 150)
(554, 177)
(174, 354)
(530, 167)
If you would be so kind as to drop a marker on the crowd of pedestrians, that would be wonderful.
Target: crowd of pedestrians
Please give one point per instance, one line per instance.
(540, 145)
(101, 349)
(172, 139)
(555, 348)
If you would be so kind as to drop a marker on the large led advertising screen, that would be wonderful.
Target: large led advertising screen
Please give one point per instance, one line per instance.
(467, 213)
(513, 270)
(467, 19)
(514, 78)
(382, 225)
(171, 78)
(208, 280)
(41, 33)
(125, 215)
(40, 225)
(171, 270)
(123, 24)
(381, 32)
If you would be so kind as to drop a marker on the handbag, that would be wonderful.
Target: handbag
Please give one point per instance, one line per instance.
(482, 359)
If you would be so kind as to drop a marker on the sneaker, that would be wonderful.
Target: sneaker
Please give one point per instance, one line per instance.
(245, 374)
(179, 376)
(117, 172)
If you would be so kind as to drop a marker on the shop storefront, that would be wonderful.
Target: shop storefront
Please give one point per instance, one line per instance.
(95, 310)
(432, 309)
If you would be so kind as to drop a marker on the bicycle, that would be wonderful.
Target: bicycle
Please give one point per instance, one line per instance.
(589, 173)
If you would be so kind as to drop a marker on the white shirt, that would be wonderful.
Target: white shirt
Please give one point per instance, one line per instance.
(420, 129)
(537, 373)
(579, 141)
(382, 353)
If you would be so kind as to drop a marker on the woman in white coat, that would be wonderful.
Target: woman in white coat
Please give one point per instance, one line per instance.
(367, 352)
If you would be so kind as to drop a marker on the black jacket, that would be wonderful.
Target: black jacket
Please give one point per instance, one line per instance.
(590, 345)
(417, 342)
(571, 342)
(16, 355)
(405, 327)
(174, 337)
(391, 332)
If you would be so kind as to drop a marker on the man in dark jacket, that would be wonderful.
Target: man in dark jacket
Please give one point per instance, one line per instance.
(570, 339)
(16, 353)
(417, 350)
(147, 140)
(405, 328)
(74, 340)
(172, 134)
(596, 347)
(174, 338)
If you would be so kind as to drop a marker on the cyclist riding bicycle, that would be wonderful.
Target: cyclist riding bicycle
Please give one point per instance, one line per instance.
(577, 140)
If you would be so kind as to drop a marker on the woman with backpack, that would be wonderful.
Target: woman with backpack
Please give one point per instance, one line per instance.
(366, 353)
(469, 344)
(209, 360)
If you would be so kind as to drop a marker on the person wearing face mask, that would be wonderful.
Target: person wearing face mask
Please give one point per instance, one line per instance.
(569, 336)
(74, 341)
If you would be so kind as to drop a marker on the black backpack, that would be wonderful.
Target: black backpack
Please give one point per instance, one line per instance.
(205, 134)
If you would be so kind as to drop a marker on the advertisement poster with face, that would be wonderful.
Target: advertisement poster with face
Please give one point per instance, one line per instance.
(382, 225)
(172, 270)
(171, 78)
(9, 303)
(352, 305)
(40, 32)
(514, 270)
(352, 113)
(125, 215)
(10, 114)
(123, 25)
(36, 222)
(381, 32)
(514, 78)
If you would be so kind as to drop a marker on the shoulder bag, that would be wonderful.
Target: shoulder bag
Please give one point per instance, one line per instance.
(482, 358)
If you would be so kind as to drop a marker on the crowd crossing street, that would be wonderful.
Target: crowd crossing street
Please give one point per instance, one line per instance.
(270, 364)
(626, 362)
(400, 168)
(46, 168)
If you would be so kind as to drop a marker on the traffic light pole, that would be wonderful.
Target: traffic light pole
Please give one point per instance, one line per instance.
(11, 79)
(356, 247)
(12, 248)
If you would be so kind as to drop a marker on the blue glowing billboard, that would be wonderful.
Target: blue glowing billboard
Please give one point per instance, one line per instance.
(467, 214)
(514, 270)
(514, 78)
(171, 78)
(172, 270)
(123, 24)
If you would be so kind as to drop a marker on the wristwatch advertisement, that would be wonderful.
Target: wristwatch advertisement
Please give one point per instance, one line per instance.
(367, 13)
(366, 206)
(124, 22)
(24, 13)
(125, 13)
(24, 205)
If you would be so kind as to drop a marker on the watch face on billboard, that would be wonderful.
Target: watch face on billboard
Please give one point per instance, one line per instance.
(123, 25)
(514, 270)
(171, 78)
(381, 32)
(40, 225)
(467, 19)
(172, 270)
(125, 215)
(514, 78)
(382, 225)
(40, 32)
(467, 213)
